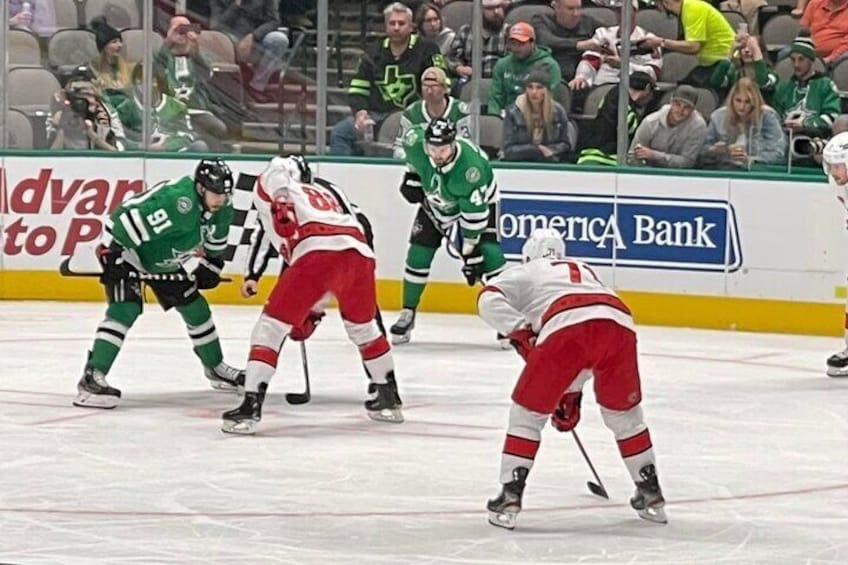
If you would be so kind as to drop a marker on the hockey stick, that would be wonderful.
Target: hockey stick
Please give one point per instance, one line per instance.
(65, 271)
(595, 488)
(306, 396)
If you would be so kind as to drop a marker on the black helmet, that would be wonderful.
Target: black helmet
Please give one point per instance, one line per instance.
(215, 176)
(440, 132)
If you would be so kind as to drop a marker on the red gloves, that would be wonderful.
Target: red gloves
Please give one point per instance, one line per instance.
(567, 413)
(302, 332)
(523, 340)
(285, 220)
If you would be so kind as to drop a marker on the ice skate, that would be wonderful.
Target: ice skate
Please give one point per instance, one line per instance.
(384, 404)
(648, 501)
(503, 342)
(95, 392)
(223, 377)
(504, 509)
(402, 329)
(837, 364)
(243, 420)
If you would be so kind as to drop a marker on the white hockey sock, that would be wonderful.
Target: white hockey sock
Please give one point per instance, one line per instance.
(632, 436)
(522, 440)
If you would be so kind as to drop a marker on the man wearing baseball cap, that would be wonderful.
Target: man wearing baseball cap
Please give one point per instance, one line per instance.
(673, 135)
(510, 72)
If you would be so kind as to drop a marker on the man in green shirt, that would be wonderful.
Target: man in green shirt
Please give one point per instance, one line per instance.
(173, 238)
(452, 182)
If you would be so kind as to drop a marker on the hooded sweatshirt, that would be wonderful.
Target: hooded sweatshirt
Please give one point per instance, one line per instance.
(509, 73)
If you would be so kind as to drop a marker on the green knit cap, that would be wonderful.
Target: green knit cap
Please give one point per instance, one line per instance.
(804, 46)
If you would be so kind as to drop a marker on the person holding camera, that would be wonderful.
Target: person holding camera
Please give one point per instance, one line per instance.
(601, 59)
(80, 119)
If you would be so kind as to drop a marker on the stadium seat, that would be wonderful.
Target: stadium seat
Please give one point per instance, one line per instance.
(657, 23)
(30, 89)
(605, 16)
(390, 128)
(734, 18)
(780, 31)
(67, 16)
(18, 131)
(526, 13)
(593, 102)
(676, 67)
(491, 134)
(69, 48)
(467, 90)
(839, 74)
(133, 40)
(120, 14)
(457, 13)
(23, 48)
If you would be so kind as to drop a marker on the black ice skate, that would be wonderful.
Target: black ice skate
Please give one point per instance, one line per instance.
(384, 404)
(243, 419)
(94, 392)
(224, 377)
(837, 364)
(648, 501)
(504, 509)
(402, 329)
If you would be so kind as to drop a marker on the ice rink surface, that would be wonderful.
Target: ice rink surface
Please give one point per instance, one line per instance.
(751, 439)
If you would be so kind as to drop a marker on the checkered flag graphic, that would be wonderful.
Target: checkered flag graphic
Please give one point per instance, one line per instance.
(243, 226)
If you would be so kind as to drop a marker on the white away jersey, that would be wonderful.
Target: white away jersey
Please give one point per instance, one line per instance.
(549, 294)
(593, 68)
(326, 219)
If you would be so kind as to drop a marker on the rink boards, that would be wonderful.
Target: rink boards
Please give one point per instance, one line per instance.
(757, 253)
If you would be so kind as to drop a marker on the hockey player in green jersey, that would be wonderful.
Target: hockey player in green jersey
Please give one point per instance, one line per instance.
(452, 181)
(172, 237)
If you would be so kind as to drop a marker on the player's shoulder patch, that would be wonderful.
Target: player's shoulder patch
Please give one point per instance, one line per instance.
(472, 174)
(184, 205)
(410, 138)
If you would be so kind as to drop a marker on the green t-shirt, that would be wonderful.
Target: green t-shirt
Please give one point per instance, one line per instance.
(167, 225)
(703, 23)
(461, 190)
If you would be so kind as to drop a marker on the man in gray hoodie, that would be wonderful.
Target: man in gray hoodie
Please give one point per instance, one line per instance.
(672, 136)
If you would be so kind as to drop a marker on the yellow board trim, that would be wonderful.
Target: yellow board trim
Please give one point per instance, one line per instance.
(677, 310)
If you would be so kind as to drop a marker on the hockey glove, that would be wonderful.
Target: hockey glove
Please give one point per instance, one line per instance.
(523, 340)
(567, 413)
(473, 266)
(285, 220)
(411, 189)
(208, 274)
(307, 328)
(115, 269)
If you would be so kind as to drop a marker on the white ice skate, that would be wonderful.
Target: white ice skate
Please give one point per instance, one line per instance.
(837, 364)
(648, 502)
(401, 330)
(94, 392)
(224, 378)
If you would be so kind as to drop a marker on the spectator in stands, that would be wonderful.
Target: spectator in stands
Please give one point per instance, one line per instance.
(37, 16)
(706, 34)
(602, 58)
(599, 139)
(563, 33)
(672, 136)
(536, 126)
(187, 72)
(111, 70)
(386, 79)
(827, 21)
(170, 127)
(746, 61)
(494, 32)
(81, 119)
(253, 27)
(428, 20)
(436, 102)
(744, 131)
(808, 101)
(508, 75)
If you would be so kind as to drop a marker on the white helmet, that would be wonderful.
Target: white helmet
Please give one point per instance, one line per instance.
(543, 243)
(295, 167)
(835, 152)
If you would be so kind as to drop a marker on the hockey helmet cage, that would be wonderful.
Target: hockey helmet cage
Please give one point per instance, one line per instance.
(835, 152)
(440, 132)
(215, 176)
(543, 243)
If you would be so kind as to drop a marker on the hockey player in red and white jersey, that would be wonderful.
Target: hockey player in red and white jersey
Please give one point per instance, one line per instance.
(835, 164)
(317, 232)
(568, 327)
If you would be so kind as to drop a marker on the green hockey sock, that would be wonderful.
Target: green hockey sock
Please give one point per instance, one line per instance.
(493, 258)
(418, 260)
(201, 330)
(111, 333)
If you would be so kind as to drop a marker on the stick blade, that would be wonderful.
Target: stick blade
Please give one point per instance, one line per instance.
(298, 398)
(597, 490)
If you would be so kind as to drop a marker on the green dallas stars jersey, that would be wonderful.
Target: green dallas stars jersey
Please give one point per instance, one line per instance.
(167, 225)
(461, 190)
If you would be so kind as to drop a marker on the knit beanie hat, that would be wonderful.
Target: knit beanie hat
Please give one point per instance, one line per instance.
(103, 32)
(538, 74)
(803, 46)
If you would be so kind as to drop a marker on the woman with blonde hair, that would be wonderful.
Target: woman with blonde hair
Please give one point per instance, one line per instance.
(536, 126)
(744, 131)
(112, 72)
